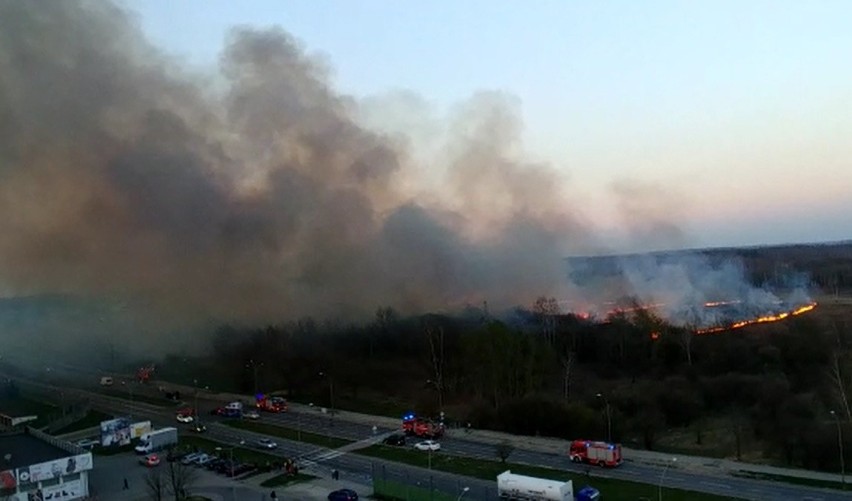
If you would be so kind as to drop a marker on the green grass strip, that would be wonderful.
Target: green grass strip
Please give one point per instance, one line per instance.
(611, 489)
(289, 433)
(811, 482)
(145, 399)
(240, 453)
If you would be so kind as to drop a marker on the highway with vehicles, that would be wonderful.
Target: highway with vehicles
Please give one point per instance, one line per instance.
(360, 469)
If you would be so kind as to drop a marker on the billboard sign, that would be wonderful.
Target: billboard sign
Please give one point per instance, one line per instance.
(115, 432)
(60, 492)
(139, 429)
(55, 469)
(74, 489)
(8, 479)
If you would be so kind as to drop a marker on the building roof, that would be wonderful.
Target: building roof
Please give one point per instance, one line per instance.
(27, 450)
(16, 407)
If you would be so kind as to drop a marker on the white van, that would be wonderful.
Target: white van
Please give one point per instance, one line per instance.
(106, 381)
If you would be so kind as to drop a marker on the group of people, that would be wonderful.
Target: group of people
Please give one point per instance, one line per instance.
(290, 467)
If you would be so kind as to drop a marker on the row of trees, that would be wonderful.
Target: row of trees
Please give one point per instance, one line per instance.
(538, 371)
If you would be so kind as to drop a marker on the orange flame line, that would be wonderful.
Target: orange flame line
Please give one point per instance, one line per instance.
(759, 320)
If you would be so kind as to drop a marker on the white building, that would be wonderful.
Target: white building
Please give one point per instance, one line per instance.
(34, 465)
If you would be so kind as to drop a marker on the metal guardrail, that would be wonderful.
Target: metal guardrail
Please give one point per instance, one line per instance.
(56, 442)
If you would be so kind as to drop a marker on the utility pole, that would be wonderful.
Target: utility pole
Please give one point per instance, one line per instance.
(195, 409)
(840, 447)
(663, 475)
(608, 418)
(254, 366)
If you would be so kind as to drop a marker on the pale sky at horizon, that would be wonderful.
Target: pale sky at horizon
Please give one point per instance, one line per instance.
(734, 115)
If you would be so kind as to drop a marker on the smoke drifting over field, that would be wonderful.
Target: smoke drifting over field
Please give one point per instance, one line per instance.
(254, 194)
(684, 288)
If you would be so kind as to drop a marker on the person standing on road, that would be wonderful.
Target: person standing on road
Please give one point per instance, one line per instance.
(126, 486)
(273, 496)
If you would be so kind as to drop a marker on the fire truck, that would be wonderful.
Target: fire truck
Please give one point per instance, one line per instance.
(421, 427)
(270, 404)
(599, 453)
(143, 374)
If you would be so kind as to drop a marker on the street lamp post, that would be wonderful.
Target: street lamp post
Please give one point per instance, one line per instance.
(254, 365)
(608, 418)
(231, 466)
(462, 493)
(195, 409)
(663, 475)
(840, 447)
(330, 390)
(439, 391)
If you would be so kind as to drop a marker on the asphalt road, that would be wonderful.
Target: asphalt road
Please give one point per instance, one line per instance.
(360, 469)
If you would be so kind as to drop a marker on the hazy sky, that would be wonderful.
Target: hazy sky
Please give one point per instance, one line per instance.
(731, 119)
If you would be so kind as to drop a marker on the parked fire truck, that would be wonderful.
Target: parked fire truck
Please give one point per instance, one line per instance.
(421, 427)
(270, 404)
(599, 453)
(143, 374)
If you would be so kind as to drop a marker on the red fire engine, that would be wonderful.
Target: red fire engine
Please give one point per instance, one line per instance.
(270, 404)
(143, 374)
(599, 453)
(421, 427)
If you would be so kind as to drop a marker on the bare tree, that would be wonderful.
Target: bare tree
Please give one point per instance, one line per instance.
(839, 379)
(687, 334)
(156, 484)
(546, 309)
(839, 373)
(504, 449)
(180, 477)
(567, 365)
(436, 348)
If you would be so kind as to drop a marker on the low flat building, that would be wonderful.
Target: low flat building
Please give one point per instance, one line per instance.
(34, 465)
(13, 414)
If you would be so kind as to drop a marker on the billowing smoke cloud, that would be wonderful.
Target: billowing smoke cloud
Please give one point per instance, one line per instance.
(253, 194)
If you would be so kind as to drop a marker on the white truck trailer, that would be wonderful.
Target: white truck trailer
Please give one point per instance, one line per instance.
(523, 488)
(157, 440)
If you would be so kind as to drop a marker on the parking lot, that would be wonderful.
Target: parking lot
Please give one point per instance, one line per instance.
(107, 483)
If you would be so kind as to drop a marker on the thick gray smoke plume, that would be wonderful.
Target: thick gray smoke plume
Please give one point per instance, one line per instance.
(252, 195)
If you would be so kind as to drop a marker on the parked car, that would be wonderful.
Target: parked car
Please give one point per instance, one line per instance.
(175, 455)
(190, 458)
(150, 460)
(251, 415)
(202, 459)
(427, 445)
(225, 466)
(199, 428)
(394, 440)
(343, 495)
(265, 443)
(215, 464)
(87, 443)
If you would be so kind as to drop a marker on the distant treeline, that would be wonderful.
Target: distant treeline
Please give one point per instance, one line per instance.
(771, 387)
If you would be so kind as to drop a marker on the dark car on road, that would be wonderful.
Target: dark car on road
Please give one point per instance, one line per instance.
(394, 440)
(343, 495)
